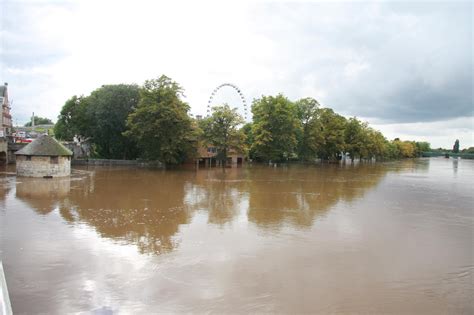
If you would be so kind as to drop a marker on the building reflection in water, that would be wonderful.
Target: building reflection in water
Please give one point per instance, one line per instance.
(147, 207)
(43, 195)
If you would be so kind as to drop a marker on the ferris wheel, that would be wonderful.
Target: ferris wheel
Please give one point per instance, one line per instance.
(236, 88)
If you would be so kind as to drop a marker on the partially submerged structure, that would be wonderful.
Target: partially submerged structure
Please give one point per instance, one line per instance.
(44, 157)
(209, 156)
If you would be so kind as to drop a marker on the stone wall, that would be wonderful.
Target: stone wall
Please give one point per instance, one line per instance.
(40, 166)
(3, 151)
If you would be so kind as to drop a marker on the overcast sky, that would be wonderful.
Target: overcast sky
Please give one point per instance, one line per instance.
(404, 66)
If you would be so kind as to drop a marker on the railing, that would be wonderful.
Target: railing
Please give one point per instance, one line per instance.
(448, 154)
(5, 306)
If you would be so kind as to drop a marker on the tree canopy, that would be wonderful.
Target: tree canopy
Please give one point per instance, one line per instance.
(153, 122)
(101, 117)
(160, 125)
(39, 121)
(221, 130)
(274, 128)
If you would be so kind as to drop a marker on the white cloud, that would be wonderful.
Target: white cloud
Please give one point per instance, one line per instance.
(439, 133)
(366, 59)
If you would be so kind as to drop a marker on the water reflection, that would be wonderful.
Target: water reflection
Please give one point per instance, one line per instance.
(222, 194)
(43, 195)
(297, 195)
(147, 208)
(142, 207)
(455, 165)
(312, 239)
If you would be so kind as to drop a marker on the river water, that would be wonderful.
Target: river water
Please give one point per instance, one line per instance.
(373, 238)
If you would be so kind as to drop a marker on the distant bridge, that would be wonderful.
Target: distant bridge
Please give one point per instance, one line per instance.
(469, 156)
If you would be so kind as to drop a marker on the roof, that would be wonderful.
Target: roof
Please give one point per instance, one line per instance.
(44, 146)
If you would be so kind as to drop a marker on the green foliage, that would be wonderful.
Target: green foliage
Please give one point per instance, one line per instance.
(73, 119)
(274, 128)
(128, 121)
(332, 131)
(160, 125)
(456, 146)
(101, 117)
(422, 147)
(248, 139)
(468, 150)
(355, 138)
(309, 135)
(39, 121)
(221, 131)
(406, 149)
(109, 107)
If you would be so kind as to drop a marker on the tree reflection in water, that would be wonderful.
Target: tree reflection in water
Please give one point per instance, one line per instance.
(147, 207)
(296, 195)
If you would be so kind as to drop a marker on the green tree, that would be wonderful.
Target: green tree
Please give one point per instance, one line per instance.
(249, 139)
(221, 130)
(108, 109)
(376, 144)
(160, 125)
(355, 137)
(406, 149)
(393, 151)
(309, 134)
(73, 119)
(332, 131)
(456, 146)
(422, 147)
(274, 128)
(39, 121)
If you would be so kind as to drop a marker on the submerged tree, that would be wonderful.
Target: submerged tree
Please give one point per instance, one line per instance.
(332, 131)
(309, 132)
(354, 137)
(221, 130)
(274, 128)
(109, 107)
(160, 124)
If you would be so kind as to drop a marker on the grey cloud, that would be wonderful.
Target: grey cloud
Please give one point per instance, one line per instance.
(415, 60)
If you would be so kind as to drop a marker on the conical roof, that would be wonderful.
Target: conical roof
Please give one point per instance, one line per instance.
(46, 146)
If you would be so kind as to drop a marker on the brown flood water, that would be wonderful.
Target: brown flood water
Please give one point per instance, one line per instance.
(379, 238)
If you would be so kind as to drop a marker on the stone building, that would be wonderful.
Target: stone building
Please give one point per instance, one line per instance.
(44, 157)
(5, 123)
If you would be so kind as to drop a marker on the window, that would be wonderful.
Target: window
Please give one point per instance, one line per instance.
(54, 160)
(28, 157)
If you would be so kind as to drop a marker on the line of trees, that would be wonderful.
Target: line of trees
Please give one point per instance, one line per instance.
(153, 122)
(39, 121)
